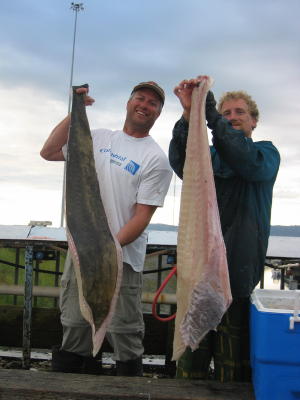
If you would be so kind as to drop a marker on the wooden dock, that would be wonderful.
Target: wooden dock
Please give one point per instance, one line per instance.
(34, 385)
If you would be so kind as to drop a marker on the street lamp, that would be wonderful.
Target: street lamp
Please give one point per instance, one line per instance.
(75, 7)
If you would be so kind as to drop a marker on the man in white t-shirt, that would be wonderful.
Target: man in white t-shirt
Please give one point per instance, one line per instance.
(135, 177)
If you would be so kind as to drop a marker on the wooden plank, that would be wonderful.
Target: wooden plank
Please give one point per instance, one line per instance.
(31, 385)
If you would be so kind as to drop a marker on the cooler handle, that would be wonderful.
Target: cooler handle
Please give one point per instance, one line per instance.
(296, 316)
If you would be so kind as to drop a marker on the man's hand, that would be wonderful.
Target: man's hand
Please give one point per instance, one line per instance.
(210, 110)
(184, 92)
(88, 101)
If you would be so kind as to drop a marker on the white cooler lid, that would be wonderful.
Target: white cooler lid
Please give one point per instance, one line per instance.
(276, 301)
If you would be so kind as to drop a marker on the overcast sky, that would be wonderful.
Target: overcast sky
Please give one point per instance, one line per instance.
(252, 46)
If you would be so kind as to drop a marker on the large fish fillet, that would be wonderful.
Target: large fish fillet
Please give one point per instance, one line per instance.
(96, 254)
(203, 288)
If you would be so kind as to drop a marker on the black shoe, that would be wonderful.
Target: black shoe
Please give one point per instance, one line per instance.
(65, 361)
(91, 366)
(130, 367)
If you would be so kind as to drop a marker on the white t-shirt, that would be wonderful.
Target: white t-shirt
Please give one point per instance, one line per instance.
(130, 170)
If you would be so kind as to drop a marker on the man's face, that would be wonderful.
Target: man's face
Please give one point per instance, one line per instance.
(237, 112)
(143, 108)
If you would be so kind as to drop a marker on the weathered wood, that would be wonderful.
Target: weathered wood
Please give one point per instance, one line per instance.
(31, 385)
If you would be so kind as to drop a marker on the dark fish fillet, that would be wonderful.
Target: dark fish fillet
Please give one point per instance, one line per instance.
(96, 254)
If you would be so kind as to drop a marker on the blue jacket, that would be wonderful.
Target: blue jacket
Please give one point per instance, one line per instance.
(244, 173)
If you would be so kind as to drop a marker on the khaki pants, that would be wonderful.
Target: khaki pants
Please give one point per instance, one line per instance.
(126, 331)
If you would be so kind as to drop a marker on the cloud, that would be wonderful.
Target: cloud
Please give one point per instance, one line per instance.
(251, 46)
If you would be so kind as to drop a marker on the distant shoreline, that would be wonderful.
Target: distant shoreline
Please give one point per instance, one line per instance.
(276, 230)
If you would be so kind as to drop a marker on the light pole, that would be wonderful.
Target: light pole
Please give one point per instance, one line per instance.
(75, 7)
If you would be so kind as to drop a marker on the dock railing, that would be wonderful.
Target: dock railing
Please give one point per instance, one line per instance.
(31, 275)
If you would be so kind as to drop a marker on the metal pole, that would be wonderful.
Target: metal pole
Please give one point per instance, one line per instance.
(27, 307)
(282, 277)
(174, 198)
(17, 272)
(75, 7)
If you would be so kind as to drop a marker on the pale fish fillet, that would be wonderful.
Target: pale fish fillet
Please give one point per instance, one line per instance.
(95, 252)
(203, 288)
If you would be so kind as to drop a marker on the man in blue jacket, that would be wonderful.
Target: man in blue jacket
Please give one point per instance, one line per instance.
(244, 173)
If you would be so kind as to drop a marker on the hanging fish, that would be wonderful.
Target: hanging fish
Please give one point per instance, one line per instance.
(203, 288)
(96, 253)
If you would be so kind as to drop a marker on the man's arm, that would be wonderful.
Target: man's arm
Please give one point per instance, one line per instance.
(179, 138)
(137, 224)
(52, 149)
(252, 161)
(184, 92)
(178, 145)
(153, 187)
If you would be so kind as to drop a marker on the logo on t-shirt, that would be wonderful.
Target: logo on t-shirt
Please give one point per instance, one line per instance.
(132, 167)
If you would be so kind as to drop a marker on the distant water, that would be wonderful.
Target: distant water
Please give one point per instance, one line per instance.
(269, 282)
(284, 246)
(273, 284)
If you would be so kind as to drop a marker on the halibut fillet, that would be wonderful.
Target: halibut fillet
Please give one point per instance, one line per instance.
(203, 288)
(95, 252)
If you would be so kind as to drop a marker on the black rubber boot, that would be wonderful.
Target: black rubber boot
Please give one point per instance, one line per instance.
(91, 366)
(130, 367)
(65, 361)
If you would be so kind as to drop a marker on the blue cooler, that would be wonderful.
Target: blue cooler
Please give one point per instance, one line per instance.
(275, 344)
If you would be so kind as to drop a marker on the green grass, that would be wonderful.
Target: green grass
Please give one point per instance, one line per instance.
(10, 275)
(150, 281)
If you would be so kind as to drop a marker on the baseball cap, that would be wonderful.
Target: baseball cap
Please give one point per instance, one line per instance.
(151, 85)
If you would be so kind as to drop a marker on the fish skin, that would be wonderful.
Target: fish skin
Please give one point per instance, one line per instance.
(203, 287)
(96, 253)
